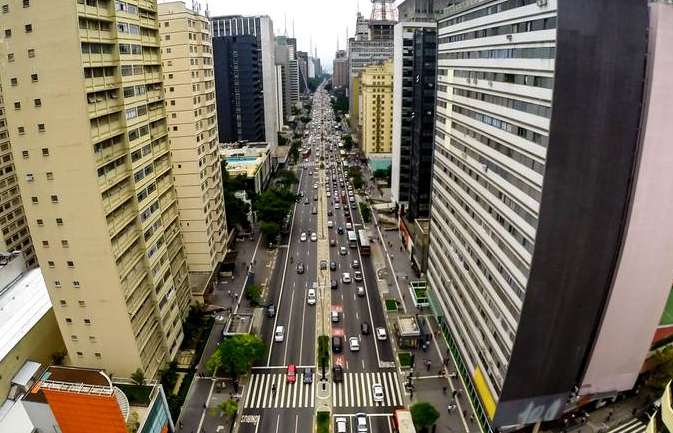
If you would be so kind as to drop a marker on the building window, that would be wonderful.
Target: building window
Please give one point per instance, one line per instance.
(25, 154)
(87, 321)
(34, 200)
(33, 78)
(80, 354)
(38, 102)
(8, 33)
(29, 28)
(10, 57)
(14, 81)
(22, 130)
(68, 320)
(98, 355)
(54, 199)
(51, 264)
(31, 53)
(50, 175)
(17, 105)
(57, 284)
(5, 9)
(73, 337)
(71, 264)
(45, 151)
(26, 3)
(64, 243)
(63, 303)
(59, 221)
(45, 244)
(40, 127)
(82, 304)
(40, 223)
(92, 339)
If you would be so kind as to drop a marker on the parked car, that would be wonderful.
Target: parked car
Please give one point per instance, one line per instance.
(279, 335)
(355, 264)
(335, 316)
(337, 344)
(271, 311)
(332, 243)
(310, 297)
(381, 334)
(334, 284)
(361, 422)
(314, 237)
(303, 237)
(341, 425)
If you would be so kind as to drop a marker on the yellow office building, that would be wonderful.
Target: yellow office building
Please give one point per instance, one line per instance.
(83, 79)
(189, 83)
(376, 110)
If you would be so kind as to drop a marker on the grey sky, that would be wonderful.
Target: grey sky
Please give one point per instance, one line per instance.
(322, 20)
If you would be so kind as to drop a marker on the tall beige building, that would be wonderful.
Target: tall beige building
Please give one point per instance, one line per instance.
(189, 85)
(84, 82)
(15, 235)
(376, 110)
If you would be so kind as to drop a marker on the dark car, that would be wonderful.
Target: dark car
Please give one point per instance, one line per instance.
(300, 268)
(332, 266)
(332, 243)
(308, 375)
(330, 212)
(338, 373)
(337, 344)
(364, 328)
(334, 284)
(271, 311)
(340, 230)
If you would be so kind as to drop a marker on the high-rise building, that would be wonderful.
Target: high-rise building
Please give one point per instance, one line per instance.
(340, 69)
(262, 28)
(551, 242)
(415, 61)
(15, 235)
(302, 62)
(422, 10)
(376, 114)
(288, 74)
(238, 89)
(96, 173)
(189, 81)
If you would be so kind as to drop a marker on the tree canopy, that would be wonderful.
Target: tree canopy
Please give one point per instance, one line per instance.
(662, 372)
(236, 209)
(286, 178)
(237, 354)
(424, 414)
(274, 204)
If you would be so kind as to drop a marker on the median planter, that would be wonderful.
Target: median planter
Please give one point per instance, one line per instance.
(322, 422)
(391, 305)
(405, 359)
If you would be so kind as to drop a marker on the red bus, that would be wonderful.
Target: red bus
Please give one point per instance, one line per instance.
(344, 200)
(403, 422)
(365, 250)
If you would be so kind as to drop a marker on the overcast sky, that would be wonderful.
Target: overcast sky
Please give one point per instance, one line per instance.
(323, 21)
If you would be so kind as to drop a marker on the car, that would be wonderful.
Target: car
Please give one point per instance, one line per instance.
(329, 194)
(340, 230)
(311, 297)
(377, 391)
(308, 375)
(279, 335)
(338, 374)
(310, 172)
(361, 422)
(323, 264)
(291, 376)
(334, 284)
(314, 211)
(330, 223)
(364, 328)
(303, 237)
(332, 266)
(381, 334)
(306, 200)
(349, 226)
(315, 186)
(346, 277)
(271, 311)
(300, 268)
(351, 199)
(357, 275)
(330, 212)
(315, 197)
(355, 264)
(332, 243)
(360, 291)
(337, 206)
(354, 344)
(314, 237)
(337, 344)
(334, 316)
(343, 251)
(301, 193)
(341, 425)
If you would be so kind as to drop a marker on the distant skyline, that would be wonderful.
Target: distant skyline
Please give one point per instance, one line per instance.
(324, 30)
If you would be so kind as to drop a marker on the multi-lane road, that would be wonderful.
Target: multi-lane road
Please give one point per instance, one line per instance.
(270, 403)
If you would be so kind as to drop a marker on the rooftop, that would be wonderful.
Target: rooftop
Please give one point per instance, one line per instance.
(407, 326)
(23, 302)
(71, 379)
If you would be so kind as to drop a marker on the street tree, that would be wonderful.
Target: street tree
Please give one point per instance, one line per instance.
(424, 415)
(274, 204)
(270, 231)
(286, 178)
(227, 407)
(662, 372)
(237, 354)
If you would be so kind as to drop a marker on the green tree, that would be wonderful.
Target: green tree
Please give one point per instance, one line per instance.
(305, 119)
(382, 173)
(348, 142)
(294, 152)
(424, 415)
(237, 209)
(286, 178)
(282, 141)
(274, 204)
(270, 230)
(253, 294)
(365, 212)
(138, 377)
(237, 354)
(227, 407)
(168, 376)
(662, 372)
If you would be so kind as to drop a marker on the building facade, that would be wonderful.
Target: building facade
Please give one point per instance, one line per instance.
(288, 75)
(422, 10)
(550, 244)
(340, 69)
(415, 61)
(189, 79)
(376, 113)
(98, 176)
(15, 235)
(238, 89)
(262, 28)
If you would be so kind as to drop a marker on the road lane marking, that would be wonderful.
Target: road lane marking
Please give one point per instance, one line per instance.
(287, 332)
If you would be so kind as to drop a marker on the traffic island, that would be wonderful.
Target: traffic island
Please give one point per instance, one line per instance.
(323, 422)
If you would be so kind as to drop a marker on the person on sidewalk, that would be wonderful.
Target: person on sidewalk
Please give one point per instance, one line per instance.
(444, 390)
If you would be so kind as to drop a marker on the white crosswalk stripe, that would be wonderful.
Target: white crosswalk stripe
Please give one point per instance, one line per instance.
(288, 395)
(632, 426)
(356, 390)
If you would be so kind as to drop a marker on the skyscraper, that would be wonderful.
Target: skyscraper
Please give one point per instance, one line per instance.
(340, 69)
(262, 28)
(551, 240)
(96, 173)
(376, 114)
(289, 74)
(189, 80)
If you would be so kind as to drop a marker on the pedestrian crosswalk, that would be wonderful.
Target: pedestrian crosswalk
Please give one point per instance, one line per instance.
(261, 396)
(632, 426)
(356, 390)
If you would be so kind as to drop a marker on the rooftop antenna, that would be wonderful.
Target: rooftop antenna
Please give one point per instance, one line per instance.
(285, 19)
(207, 10)
(292, 29)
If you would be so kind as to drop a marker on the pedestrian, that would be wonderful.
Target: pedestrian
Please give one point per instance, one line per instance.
(448, 408)
(180, 424)
(429, 364)
(634, 411)
(444, 390)
(471, 418)
(609, 415)
(464, 413)
(454, 392)
(205, 406)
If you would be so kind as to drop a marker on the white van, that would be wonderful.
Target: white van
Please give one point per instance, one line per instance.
(279, 335)
(310, 297)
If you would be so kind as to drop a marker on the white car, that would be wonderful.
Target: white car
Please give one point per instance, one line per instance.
(381, 334)
(329, 194)
(341, 425)
(303, 237)
(377, 390)
(354, 344)
(349, 226)
(361, 422)
(330, 223)
(315, 186)
(343, 251)
(337, 206)
(279, 335)
(310, 297)
(346, 278)
(314, 237)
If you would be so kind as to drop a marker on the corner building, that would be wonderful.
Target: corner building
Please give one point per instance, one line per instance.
(189, 82)
(550, 240)
(97, 176)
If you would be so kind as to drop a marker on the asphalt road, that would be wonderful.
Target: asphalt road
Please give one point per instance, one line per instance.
(291, 408)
